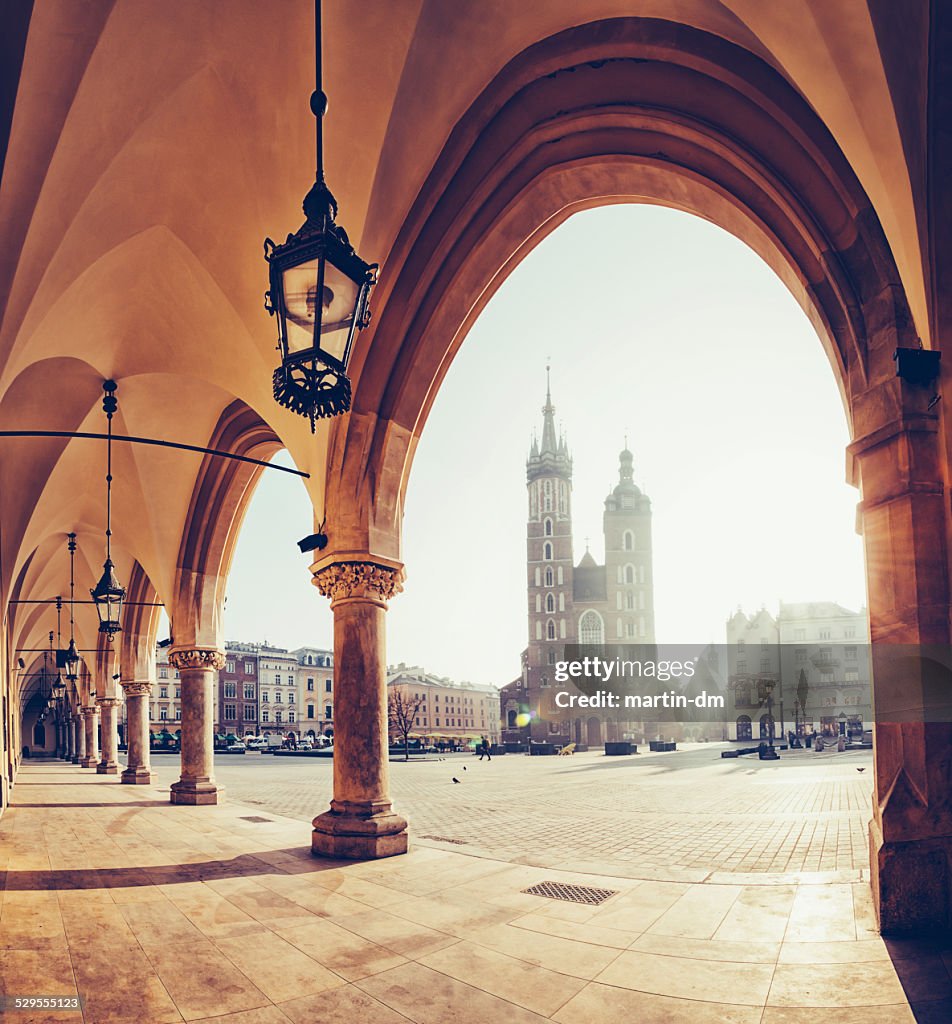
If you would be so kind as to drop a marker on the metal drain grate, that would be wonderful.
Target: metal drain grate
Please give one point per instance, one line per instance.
(571, 893)
(254, 817)
(443, 839)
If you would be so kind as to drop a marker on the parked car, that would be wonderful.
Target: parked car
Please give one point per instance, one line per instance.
(256, 743)
(235, 748)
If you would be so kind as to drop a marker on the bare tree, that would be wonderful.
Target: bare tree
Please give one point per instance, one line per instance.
(402, 710)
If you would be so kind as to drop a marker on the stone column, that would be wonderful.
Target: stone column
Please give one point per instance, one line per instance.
(109, 707)
(67, 751)
(79, 737)
(361, 823)
(903, 516)
(197, 668)
(138, 770)
(90, 758)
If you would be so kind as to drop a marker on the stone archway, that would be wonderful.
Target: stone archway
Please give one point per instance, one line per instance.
(642, 110)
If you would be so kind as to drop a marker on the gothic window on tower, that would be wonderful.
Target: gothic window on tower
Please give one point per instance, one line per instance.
(547, 496)
(561, 578)
(548, 527)
(548, 576)
(563, 498)
(538, 577)
(561, 602)
(630, 601)
(628, 543)
(629, 574)
(550, 629)
(547, 552)
(550, 602)
(590, 628)
(538, 603)
(630, 629)
(552, 656)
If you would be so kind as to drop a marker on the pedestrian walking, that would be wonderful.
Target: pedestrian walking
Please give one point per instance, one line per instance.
(484, 750)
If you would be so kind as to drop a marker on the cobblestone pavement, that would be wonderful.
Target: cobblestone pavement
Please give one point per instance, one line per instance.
(663, 812)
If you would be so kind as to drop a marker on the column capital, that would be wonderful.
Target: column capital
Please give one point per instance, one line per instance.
(136, 687)
(88, 711)
(370, 578)
(197, 657)
(108, 702)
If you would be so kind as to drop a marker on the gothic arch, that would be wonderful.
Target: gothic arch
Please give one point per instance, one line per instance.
(222, 492)
(625, 110)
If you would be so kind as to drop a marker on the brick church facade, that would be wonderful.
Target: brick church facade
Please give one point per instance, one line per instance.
(571, 603)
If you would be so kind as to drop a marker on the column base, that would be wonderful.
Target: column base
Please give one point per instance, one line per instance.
(103, 768)
(351, 831)
(911, 883)
(137, 777)
(195, 792)
(88, 762)
(76, 759)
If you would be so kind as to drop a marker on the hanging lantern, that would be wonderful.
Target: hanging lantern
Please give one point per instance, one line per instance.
(108, 594)
(319, 291)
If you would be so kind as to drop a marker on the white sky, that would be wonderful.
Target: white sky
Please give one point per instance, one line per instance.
(659, 324)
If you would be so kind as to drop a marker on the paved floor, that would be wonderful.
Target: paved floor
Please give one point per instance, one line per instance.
(154, 913)
(679, 815)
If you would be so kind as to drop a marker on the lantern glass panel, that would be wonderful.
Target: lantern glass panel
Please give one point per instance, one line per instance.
(340, 294)
(300, 302)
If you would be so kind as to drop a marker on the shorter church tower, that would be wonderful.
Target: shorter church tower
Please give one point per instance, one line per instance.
(627, 526)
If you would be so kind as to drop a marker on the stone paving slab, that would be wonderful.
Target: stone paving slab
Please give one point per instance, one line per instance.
(154, 913)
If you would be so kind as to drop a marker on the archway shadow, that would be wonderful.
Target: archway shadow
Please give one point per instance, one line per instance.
(920, 966)
(294, 861)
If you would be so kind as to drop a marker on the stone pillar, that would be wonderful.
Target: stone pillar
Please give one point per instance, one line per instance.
(90, 758)
(109, 765)
(361, 823)
(138, 770)
(198, 669)
(904, 524)
(79, 736)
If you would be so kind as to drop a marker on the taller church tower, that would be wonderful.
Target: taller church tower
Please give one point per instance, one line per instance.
(549, 558)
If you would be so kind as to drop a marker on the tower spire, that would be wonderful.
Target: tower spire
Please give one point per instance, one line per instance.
(549, 441)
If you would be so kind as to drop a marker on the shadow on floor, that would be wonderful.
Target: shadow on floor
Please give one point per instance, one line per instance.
(117, 804)
(294, 861)
(921, 966)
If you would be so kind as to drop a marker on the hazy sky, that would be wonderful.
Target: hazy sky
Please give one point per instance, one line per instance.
(660, 325)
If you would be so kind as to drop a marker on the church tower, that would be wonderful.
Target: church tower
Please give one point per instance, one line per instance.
(548, 549)
(628, 564)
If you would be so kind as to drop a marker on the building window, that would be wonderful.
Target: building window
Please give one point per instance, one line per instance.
(264, 697)
(249, 668)
(249, 691)
(277, 679)
(265, 716)
(178, 692)
(230, 667)
(547, 552)
(329, 713)
(550, 629)
(231, 689)
(630, 600)
(548, 527)
(544, 681)
(249, 713)
(278, 718)
(178, 714)
(551, 655)
(549, 602)
(327, 686)
(628, 541)
(310, 684)
(310, 711)
(291, 697)
(163, 714)
(629, 574)
(629, 629)
(590, 628)
(164, 692)
(277, 697)
(291, 717)
(163, 672)
(548, 576)
(799, 634)
(824, 634)
(230, 715)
